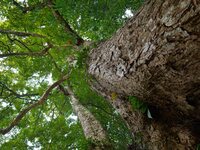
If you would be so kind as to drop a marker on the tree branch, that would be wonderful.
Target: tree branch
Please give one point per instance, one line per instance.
(17, 33)
(63, 90)
(56, 14)
(30, 8)
(13, 92)
(98, 107)
(22, 113)
(22, 43)
(4, 45)
(41, 53)
(66, 25)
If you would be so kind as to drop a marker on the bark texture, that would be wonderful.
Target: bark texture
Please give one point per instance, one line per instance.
(155, 56)
(91, 126)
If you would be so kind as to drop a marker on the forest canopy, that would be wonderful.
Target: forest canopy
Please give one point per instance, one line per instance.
(41, 41)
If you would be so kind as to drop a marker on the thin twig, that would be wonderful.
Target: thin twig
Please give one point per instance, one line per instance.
(32, 54)
(17, 33)
(98, 107)
(22, 43)
(13, 92)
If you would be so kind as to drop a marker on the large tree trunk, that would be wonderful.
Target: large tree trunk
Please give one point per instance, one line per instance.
(155, 56)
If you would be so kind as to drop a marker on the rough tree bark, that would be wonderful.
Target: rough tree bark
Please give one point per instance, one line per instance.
(92, 128)
(155, 56)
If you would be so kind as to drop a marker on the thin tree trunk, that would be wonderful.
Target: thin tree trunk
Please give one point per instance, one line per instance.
(155, 56)
(92, 128)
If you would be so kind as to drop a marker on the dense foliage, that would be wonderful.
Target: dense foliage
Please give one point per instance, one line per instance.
(35, 51)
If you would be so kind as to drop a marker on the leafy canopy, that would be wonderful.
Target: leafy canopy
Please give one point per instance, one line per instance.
(37, 47)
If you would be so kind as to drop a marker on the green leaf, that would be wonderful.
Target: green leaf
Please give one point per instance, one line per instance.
(137, 104)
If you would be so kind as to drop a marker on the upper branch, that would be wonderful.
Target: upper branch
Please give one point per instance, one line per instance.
(56, 14)
(25, 9)
(22, 113)
(63, 90)
(41, 53)
(66, 25)
(17, 33)
(19, 42)
(4, 86)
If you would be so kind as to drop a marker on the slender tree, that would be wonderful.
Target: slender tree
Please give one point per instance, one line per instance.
(92, 128)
